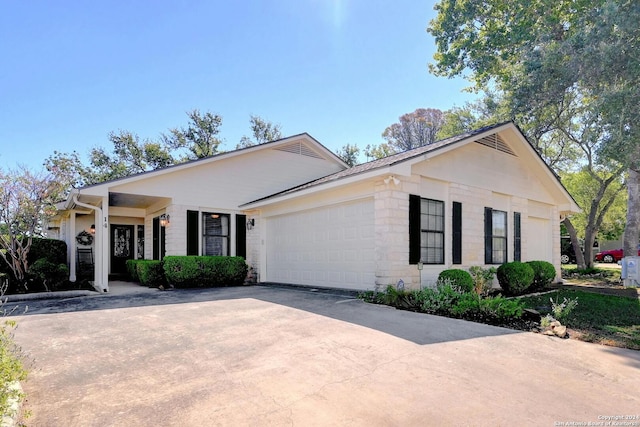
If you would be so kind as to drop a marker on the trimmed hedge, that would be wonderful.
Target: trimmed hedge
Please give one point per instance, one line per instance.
(150, 273)
(543, 274)
(460, 278)
(147, 272)
(204, 271)
(52, 250)
(132, 269)
(515, 277)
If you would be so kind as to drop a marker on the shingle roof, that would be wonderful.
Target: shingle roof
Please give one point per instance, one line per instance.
(384, 162)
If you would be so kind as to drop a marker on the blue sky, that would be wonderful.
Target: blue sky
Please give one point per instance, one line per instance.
(341, 70)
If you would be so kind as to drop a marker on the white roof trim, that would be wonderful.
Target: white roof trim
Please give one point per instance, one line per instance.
(319, 150)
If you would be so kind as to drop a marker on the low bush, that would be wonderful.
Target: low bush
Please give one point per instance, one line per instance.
(482, 279)
(543, 274)
(50, 275)
(439, 300)
(204, 271)
(132, 269)
(515, 277)
(457, 277)
(449, 300)
(150, 273)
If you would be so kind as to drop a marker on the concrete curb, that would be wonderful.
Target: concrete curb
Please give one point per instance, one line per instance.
(48, 295)
(317, 289)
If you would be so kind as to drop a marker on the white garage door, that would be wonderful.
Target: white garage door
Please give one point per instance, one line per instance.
(329, 247)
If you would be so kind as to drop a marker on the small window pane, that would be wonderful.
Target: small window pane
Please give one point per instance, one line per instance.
(432, 236)
(215, 239)
(499, 223)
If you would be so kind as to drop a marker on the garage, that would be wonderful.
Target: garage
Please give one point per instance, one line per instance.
(332, 246)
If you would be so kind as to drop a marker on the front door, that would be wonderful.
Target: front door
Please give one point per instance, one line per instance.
(122, 239)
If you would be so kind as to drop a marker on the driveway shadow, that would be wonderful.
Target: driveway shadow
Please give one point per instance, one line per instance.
(415, 327)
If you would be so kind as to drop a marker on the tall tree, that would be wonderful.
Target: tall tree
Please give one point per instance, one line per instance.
(27, 202)
(262, 131)
(199, 138)
(129, 155)
(349, 154)
(538, 52)
(414, 129)
(374, 152)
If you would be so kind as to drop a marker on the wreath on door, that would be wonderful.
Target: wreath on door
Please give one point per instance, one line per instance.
(85, 239)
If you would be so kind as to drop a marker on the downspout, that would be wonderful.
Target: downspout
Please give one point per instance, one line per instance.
(99, 210)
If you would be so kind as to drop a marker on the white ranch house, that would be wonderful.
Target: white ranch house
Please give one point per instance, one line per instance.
(300, 215)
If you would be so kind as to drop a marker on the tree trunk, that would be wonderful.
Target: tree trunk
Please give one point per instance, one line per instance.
(632, 229)
(576, 244)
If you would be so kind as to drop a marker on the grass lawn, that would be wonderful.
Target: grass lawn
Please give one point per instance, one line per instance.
(604, 319)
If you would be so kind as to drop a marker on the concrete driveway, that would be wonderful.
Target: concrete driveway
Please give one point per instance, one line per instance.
(271, 356)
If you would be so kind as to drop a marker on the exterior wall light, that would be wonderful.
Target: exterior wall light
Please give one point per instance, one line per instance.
(92, 229)
(393, 179)
(165, 220)
(251, 222)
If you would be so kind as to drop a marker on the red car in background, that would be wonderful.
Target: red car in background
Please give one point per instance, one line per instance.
(613, 255)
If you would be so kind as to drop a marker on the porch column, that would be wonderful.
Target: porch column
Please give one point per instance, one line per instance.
(102, 248)
(72, 246)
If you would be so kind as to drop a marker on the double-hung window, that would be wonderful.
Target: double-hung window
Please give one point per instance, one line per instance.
(215, 234)
(426, 230)
(495, 236)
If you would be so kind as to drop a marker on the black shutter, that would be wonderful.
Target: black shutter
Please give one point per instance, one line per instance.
(517, 245)
(414, 229)
(488, 240)
(241, 236)
(457, 233)
(156, 238)
(192, 232)
(163, 248)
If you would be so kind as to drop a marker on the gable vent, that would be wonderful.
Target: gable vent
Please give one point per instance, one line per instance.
(299, 148)
(496, 142)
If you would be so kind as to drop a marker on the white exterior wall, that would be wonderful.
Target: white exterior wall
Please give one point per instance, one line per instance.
(487, 178)
(230, 183)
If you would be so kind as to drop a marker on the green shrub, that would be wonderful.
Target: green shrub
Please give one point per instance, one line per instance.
(543, 274)
(11, 368)
(52, 250)
(150, 273)
(482, 279)
(52, 276)
(204, 271)
(447, 299)
(457, 277)
(132, 269)
(500, 309)
(515, 277)
(438, 300)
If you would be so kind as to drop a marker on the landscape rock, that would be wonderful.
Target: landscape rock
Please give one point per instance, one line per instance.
(560, 331)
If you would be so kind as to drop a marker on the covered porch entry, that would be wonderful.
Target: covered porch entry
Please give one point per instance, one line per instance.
(103, 232)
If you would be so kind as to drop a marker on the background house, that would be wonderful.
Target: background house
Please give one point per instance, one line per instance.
(299, 215)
